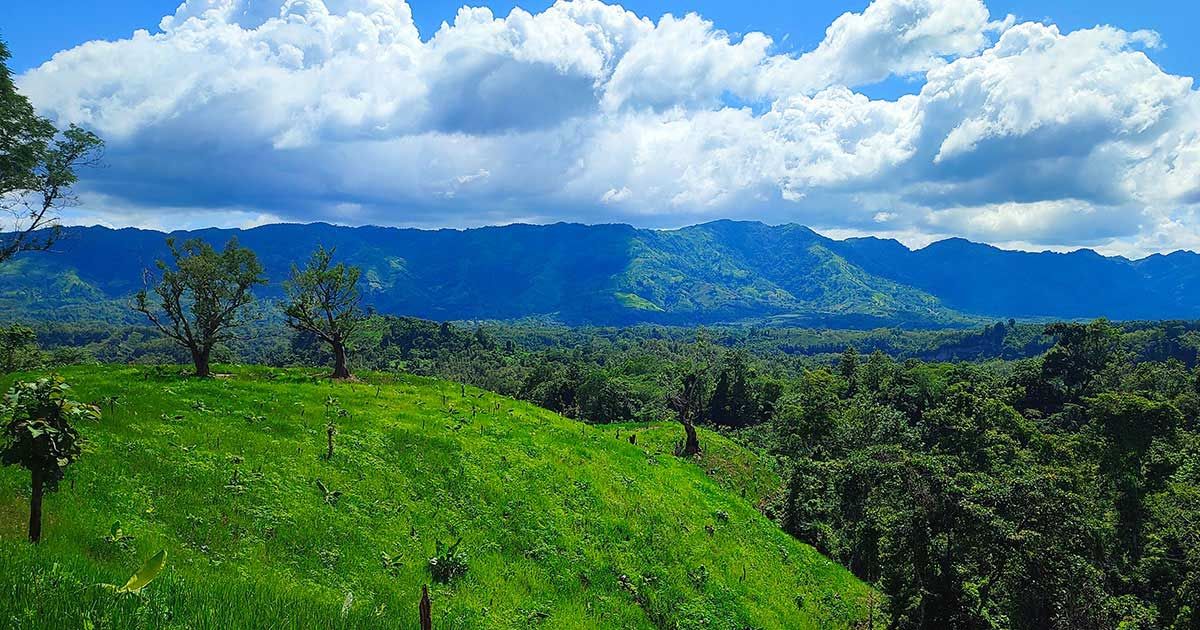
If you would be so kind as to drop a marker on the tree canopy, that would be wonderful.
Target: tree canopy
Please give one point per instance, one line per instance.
(203, 296)
(323, 300)
(38, 165)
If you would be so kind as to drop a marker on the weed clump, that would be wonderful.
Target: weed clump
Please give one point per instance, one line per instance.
(448, 562)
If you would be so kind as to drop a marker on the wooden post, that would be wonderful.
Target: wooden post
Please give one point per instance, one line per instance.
(426, 611)
(35, 508)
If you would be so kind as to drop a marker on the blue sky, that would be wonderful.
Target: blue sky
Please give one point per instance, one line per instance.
(918, 119)
(35, 29)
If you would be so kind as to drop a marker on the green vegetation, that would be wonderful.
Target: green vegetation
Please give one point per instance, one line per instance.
(1043, 493)
(40, 436)
(322, 300)
(1052, 485)
(717, 273)
(1055, 490)
(1011, 475)
(561, 524)
(203, 297)
(735, 468)
(637, 302)
(37, 169)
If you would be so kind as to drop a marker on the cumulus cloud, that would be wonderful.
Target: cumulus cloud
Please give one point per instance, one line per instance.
(891, 37)
(340, 110)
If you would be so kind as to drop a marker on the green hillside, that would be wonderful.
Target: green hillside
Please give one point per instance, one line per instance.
(564, 525)
(738, 270)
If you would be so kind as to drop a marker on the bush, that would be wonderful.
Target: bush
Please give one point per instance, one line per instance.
(448, 562)
(18, 349)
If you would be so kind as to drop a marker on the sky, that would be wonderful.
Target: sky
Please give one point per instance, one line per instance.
(1054, 124)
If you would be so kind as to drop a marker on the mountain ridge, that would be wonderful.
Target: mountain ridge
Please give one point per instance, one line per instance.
(716, 272)
(848, 239)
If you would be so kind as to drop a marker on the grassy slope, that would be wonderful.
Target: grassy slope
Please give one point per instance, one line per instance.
(734, 468)
(552, 513)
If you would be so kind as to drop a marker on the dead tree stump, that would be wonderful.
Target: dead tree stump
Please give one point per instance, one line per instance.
(426, 611)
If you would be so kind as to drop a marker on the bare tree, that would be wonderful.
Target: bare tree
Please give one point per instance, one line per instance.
(204, 297)
(322, 299)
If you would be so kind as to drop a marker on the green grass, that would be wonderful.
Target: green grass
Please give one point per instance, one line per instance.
(637, 302)
(565, 526)
(734, 468)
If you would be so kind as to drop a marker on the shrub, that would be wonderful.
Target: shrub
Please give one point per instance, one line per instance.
(448, 562)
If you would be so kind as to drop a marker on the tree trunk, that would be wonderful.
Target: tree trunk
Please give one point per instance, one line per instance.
(200, 359)
(691, 447)
(35, 508)
(339, 360)
(426, 610)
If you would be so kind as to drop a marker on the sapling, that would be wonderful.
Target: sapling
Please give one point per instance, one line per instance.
(331, 496)
(117, 536)
(448, 562)
(333, 411)
(392, 564)
(39, 436)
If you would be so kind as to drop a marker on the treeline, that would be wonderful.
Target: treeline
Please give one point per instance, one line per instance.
(625, 373)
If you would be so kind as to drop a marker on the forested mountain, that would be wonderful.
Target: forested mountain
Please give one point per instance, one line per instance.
(978, 278)
(616, 274)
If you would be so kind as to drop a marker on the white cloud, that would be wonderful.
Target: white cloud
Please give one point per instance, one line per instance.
(1048, 221)
(891, 37)
(612, 195)
(338, 110)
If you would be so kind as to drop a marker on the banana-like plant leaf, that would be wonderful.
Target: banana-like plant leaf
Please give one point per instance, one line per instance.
(146, 574)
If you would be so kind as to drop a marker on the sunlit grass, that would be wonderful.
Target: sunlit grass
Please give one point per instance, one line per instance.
(565, 525)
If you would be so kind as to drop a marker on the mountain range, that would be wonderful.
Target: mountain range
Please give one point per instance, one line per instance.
(723, 271)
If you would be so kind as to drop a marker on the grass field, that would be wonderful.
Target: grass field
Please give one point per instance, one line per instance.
(564, 525)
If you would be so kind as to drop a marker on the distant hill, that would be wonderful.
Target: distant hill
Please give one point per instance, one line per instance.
(722, 271)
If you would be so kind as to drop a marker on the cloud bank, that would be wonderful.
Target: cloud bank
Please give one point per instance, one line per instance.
(338, 110)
